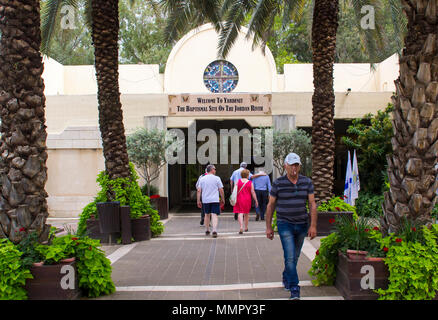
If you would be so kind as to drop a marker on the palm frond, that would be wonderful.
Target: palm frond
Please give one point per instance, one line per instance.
(234, 18)
(293, 10)
(372, 38)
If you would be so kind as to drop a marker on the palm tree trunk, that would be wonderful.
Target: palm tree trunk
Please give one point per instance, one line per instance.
(23, 171)
(105, 32)
(325, 25)
(415, 121)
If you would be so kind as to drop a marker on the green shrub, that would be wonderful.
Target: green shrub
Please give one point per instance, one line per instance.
(94, 269)
(13, 274)
(326, 259)
(369, 205)
(358, 234)
(336, 204)
(128, 193)
(412, 260)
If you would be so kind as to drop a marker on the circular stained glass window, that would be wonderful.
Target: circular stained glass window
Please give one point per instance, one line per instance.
(221, 76)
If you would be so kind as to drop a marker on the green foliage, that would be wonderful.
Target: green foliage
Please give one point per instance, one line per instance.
(326, 259)
(94, 269)
(141, 33)
(28, 247)
(335, 204)
(60, 248)
(371, 136)
(356, 234)
(412, 260)
(13, 273)
(128, 193)
(368, 204)
(147, 150)
(153, 190)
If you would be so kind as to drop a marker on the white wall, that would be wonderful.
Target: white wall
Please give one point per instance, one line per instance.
(53, 76)
(196, 50)
(359, 77)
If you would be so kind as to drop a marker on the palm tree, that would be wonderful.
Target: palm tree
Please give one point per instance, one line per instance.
(23, 171)
(103, 17)
(415, 121)
(262, 15)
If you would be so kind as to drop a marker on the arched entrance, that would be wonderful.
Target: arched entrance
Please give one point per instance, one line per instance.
(182, 177)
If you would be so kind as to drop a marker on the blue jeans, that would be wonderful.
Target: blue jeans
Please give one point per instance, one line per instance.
(262, 199)
(292, 239)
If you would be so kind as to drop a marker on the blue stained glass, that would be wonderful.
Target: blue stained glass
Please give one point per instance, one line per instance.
(221, 76)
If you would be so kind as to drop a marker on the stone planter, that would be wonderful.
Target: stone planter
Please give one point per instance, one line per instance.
(141, 228)
(93, 231)
(53, 282)
(349, 275)
(324, 227)
(162, 206)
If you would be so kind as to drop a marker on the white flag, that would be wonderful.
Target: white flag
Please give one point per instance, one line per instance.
(348, 181)
(356, 183)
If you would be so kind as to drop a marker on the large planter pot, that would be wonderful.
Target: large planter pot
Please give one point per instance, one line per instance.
(109, 216)
(141, 228)
(349, 275)
(52, 282)
(325, 219)
(93, 231)
(162, 207)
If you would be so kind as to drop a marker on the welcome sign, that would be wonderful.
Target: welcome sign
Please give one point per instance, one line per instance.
(220, 104)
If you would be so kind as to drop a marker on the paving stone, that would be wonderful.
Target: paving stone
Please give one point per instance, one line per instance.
(201, 260)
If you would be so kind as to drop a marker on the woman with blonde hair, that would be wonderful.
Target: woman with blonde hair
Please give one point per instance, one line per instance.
(245, 191)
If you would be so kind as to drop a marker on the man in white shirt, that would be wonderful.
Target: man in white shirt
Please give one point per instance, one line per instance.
(209, 188)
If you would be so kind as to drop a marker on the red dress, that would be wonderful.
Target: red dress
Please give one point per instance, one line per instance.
(243, 203)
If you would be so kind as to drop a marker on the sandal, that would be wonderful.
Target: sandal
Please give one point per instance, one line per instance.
(246, 230)
(241, 231)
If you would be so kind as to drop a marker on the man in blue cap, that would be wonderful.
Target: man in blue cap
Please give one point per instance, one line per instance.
(288, 197)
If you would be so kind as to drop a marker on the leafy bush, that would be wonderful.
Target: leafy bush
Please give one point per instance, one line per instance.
(336, 204)
(412, 260)
(369, 205)
(326, 259)
(371, 136)
(28, 247)
(356, 234)
(13, 273)
(128, 193)
(94, 269)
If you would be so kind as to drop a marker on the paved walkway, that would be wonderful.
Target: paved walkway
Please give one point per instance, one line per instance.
(184, 264)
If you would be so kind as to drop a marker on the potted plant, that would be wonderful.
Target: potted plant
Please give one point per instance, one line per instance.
(147, 150)
(328, 212)
(343, 254)
(127, 192)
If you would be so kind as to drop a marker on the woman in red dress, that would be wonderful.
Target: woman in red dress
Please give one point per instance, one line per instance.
(245, 191)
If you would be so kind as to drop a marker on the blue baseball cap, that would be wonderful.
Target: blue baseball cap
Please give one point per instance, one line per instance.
(292, 158)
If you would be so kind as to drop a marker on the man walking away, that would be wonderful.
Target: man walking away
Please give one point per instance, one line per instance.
(210, 186)
(262, 186)
(197, 186)
(288, 196)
